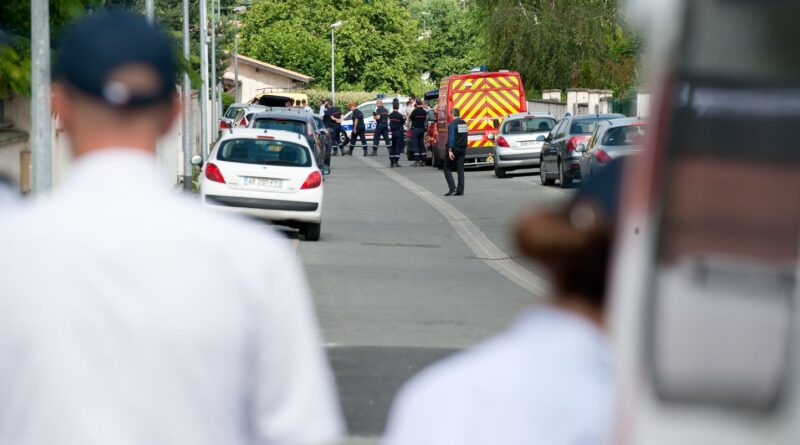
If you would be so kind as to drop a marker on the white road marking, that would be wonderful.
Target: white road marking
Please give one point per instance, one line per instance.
(472, 236)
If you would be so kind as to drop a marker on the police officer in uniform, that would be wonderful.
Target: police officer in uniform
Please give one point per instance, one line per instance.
(332, 120)
(396, 120)
(457, 133)
(381, 115)
(359, 129)
(418, 117)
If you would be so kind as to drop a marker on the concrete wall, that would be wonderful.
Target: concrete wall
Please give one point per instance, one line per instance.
(557, 109)
(14, 156)
(253, 79)
(554, 95)
(643, 104)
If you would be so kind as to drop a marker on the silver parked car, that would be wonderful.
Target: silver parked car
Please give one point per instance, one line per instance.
(519, 141)
(611, 140)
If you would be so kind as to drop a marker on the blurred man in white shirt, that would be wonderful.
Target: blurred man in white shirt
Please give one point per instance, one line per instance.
(129, 315)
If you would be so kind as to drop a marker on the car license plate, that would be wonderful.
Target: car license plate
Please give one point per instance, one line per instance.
(263, 182)
(475, 137)
(527, 143)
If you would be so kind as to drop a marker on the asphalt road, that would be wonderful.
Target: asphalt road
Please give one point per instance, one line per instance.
(404, 276)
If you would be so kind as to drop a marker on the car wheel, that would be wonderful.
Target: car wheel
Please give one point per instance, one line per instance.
(563, 182)
(499, 172)
(543, 176)
(311, 231)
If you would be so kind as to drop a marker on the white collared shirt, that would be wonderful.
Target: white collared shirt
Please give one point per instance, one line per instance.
(130, 315)
(546, 381)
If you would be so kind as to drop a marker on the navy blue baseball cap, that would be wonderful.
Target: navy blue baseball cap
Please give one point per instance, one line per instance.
(119, 58)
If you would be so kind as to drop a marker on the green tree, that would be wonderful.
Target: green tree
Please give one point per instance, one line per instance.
(374, 46)
(448, 39)
(560, 43)
(15, 42)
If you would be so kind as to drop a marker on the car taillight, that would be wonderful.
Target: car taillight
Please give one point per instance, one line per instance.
(313, 181)
(573, 142)
(223, 124)
(214, 174)
(602, 157)
(502, 142)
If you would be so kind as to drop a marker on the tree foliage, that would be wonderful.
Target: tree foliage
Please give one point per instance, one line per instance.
(560, 43)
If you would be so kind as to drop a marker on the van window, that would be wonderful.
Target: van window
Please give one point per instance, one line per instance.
(367, 109)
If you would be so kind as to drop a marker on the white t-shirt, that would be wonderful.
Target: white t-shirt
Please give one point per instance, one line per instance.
(130, 315)
(545, 381)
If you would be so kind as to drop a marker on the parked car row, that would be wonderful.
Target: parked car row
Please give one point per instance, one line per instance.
(572, 149)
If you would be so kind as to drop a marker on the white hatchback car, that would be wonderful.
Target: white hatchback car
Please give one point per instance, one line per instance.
(267, 174)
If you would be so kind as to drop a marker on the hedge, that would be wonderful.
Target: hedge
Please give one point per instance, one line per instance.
(342, 97)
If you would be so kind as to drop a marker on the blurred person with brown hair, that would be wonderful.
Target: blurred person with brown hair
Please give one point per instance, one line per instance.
(548, 379)
(123, 320)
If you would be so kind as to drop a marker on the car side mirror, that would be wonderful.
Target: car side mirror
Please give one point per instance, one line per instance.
(541, 138)
(325, 170)
(491, 136)
(496, 123)
(197, 160)
(548, 138)
(580, 148)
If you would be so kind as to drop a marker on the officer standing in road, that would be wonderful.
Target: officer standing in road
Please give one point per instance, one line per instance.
(332, 120)
(396, 121)
(381, 116)
(418, 117)
(457, 133)
(117, 325)
(359, 129)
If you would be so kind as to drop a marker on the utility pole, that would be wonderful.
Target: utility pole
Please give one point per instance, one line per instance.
(213, 82)
(41, 111)
(204, 76)
(219, 83)
(333, 62)
(236, 10)
(187, 106)
(149, 10)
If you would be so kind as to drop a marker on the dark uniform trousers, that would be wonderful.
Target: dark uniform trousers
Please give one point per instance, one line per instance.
(381, 131)
(359, 133)
(398, 139)
(418, 143)
(458, 163)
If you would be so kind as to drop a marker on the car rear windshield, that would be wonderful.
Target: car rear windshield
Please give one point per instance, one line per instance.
(276, 123)
(264, 152)
(584, 126)
(628, 135)
(232, 112)
(529, 125)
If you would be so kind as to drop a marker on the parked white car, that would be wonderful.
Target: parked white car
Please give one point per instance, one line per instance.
(519, 141)
(266, 174)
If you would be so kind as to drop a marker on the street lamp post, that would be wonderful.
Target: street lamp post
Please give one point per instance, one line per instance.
(187, 106)
(213, 82)
(149, 10)
(334, 26)
(236, 10)
(204, 76)
(41, 111)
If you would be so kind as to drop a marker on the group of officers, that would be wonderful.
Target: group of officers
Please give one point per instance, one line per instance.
(393, 123)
